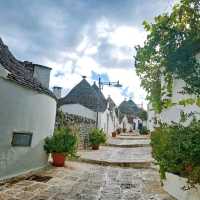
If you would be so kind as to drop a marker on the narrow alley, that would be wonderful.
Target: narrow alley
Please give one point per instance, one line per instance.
(121, 170)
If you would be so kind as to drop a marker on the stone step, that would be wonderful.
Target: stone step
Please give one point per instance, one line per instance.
(135, 165)
(132, 137)
(128, 143)
(126, 134)
(123, 157)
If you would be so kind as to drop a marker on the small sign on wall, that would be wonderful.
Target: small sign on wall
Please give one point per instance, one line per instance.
(21, 139)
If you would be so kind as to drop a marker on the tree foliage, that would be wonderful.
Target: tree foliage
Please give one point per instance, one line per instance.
(142, 115)
(173, 41)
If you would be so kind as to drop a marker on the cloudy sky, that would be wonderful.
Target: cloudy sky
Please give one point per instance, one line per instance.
(81, 37)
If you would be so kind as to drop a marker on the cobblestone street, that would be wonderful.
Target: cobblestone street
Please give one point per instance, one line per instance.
(86, 181)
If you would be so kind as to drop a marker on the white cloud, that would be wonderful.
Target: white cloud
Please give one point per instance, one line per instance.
(103, 28)
(72, 65)
(125, 36)
(129, 80)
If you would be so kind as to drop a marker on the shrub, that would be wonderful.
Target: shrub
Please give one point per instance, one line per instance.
(63, 141)
(97, 136)
(177, 150)
(144, 130)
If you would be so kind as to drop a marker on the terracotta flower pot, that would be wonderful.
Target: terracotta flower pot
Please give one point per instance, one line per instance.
(114, 134)
(58, 159)
(95, 147)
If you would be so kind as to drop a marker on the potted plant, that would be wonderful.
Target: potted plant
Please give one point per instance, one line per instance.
(96, 137)
(144, 131)
(114, 134)
(119, 130)
(62, 143)
(124, 130)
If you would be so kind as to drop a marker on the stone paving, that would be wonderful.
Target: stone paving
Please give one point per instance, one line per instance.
(84, 181)
(81, 181)
(128, 143)
(132, 137)
(115, 156)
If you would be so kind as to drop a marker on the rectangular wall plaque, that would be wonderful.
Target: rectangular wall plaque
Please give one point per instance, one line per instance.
(21, 139)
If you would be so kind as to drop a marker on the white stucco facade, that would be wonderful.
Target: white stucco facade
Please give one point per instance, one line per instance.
(27, 111)
(107, 123)
(172, 114)
(150, 117)
(77, 109)
(125, 124)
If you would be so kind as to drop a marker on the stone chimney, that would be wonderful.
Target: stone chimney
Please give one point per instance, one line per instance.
(40, 72)
(57, 91)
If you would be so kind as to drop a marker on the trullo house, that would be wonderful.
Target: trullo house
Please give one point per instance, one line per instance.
(129, 115)
(88, 101)
(27, 114)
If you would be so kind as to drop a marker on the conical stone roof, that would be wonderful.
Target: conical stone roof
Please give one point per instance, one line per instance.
(111, 103)
(101, 97)
(85, 95)
(129, 108)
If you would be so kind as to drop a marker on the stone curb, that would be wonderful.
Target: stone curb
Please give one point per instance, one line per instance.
(135, 165)
(131, 138)
(128, 145)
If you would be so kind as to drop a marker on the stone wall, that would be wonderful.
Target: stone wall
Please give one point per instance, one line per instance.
(79, 124)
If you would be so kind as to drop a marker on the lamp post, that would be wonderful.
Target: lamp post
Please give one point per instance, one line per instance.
(108, 83)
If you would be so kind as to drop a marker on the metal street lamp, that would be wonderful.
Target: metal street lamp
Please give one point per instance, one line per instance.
(113, 84)
(101, 84)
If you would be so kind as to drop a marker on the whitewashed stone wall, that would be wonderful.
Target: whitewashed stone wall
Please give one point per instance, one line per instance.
(77, 109)
(23, 110)
(105, 120)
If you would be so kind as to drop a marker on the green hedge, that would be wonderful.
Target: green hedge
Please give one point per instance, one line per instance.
(177, 150)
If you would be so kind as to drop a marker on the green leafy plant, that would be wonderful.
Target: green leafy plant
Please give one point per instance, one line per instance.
(170, 49)
(144, 130)
(63, 141)
(97, 136)
(177, 150)
(142, 115)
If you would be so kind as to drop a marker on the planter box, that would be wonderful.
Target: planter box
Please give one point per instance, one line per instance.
(174, 184)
